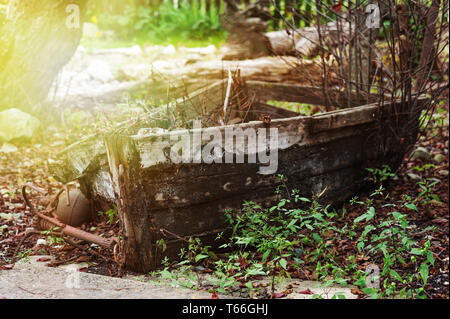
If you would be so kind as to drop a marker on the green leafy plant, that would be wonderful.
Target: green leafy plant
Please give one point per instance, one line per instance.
(190, 20)
(379, 175)
(299, 233)
(24, 255)
(196, 252)
(111, 214)
(426, 196)
(52, 238)
(423, 167)
(390, 240)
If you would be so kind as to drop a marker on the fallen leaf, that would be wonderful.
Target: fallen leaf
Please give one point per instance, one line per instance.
(278, 295)
(357, 291)
(43, 259)
(7, 267)
(83, 259)
(306, 292)
(440, 221)
(214, 295)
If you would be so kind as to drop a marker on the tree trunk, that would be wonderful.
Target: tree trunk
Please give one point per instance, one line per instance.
(38, 39)
(426, 62)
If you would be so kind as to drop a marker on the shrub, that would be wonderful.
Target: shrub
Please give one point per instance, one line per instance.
(189, 21)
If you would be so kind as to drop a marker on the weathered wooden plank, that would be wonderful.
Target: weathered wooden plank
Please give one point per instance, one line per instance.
(325, 127)
(304, 41)
(355, 116)
(202, 101)
(194, 199)
(199, 216)
(306, 94)
(175, 189)
(75, 161)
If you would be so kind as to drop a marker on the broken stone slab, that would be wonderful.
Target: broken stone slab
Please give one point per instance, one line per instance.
(439, 158)
(100, 70)
(414, 177)
(8, 148)
(16, 124)
(210, 49)
(34, 280)
(287, 288)
(420, 153)
(135, 50)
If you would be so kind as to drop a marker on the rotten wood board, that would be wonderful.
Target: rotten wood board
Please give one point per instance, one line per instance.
(307, 94)
(76, 160)
(87, 160)
(85, 156)
(285, 69)
(195, 203)
(143, 220)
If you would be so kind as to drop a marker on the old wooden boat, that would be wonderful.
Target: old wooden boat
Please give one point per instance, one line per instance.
(159, 198)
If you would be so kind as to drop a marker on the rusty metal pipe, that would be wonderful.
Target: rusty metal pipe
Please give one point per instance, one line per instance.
(78, 233)
(69, 230)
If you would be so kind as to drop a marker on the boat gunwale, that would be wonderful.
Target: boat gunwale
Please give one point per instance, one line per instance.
(306, 119)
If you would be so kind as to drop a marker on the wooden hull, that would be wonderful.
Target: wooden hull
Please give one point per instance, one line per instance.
(326, 153)
(160, 199)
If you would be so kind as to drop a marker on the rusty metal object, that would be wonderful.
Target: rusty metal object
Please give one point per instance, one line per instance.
(80, 234)
(69, 230)
(73, 208)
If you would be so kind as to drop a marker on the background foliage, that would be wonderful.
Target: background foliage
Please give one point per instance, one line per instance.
(190, 20)
(169, 20)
